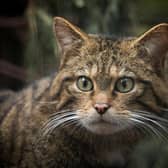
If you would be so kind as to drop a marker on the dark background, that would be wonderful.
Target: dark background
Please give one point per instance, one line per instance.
(28, 49)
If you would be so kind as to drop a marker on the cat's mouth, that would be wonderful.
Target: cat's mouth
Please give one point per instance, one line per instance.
(104, 127)
(102, 121)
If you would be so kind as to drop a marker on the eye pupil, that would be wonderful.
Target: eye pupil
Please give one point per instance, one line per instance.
(85, 83)
(124, 83)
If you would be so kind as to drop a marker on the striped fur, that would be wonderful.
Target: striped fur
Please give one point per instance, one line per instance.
(46, 124)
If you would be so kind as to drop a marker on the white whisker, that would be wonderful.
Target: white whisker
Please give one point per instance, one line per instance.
(58, 114)
(157, 124)
(60, 119)
(164, 109)
(54, 119)
(148, 119)
(47, 102)
(58, 123)
(61, 112)
(156, 132)
(152, 116)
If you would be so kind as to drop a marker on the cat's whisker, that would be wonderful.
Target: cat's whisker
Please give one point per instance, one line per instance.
(63, 111)
(61, 115)
(60, 112)
(69, 123)
(152, 116)
(49, 128)
(59, 123)
(145, 117)
(76, 126)
(142, 128)
(53, 121)
(146, 125)
(165, 131)
(152, 121)
(56, 118)
(163, 109)
(57, 114)
(47, 102)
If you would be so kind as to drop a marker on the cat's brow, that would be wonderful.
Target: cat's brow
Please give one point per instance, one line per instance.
(113, 71)
(94, 70)
(82, 71)
(126, 72)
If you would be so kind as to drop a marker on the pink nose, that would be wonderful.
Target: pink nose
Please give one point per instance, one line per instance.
(101, 108)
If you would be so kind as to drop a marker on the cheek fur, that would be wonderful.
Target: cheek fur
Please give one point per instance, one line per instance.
(126, 101)
(149, 102)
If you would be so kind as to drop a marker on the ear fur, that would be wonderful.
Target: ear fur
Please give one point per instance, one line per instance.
(155, 42)
(67, 34)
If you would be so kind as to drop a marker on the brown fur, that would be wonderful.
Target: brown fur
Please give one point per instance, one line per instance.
(104, 60)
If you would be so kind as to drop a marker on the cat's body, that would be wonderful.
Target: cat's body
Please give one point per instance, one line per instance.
(23, 115)
(92, 112)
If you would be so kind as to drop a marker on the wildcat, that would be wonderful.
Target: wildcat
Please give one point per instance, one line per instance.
(107, 95)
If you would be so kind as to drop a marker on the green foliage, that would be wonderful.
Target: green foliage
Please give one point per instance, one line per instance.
(41, 50)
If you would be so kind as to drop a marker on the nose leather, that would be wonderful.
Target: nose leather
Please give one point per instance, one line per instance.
(101, 108)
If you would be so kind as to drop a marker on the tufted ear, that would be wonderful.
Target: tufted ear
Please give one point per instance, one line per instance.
(67, 34)
(155, 42)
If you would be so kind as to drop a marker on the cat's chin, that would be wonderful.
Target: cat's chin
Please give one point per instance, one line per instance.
(103, 128)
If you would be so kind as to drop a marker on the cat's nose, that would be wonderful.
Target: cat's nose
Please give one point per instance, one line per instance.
(101, 108)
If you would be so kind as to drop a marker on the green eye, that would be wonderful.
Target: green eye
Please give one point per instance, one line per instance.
(124, 85)
(84, 84)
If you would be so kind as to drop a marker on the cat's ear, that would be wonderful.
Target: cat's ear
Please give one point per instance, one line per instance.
(155, 42)
(67, 34)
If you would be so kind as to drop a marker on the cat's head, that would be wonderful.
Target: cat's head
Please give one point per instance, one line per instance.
(108, 85)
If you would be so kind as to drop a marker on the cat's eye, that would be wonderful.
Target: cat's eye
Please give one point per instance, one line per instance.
(124, 85)
(84, 84)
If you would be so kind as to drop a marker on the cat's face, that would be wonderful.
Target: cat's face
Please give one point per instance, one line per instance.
(110, 85)
(105, 101)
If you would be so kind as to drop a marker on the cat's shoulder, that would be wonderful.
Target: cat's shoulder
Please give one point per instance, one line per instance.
(32, 90)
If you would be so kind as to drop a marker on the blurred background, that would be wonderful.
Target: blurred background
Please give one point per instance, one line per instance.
(28, 49)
